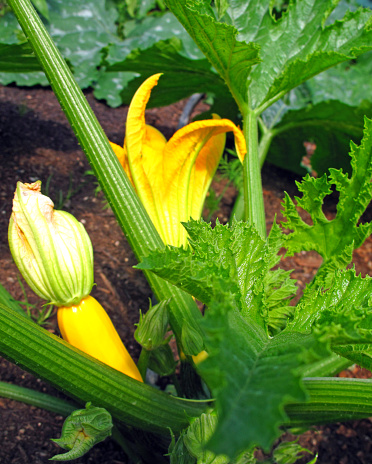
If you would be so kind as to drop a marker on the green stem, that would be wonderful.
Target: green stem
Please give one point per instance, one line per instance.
(126, 446)
(238, 209)
(35, 398)
(326, 367)
(253, 194)
(130, 213)
(86, 379)
(270, 102)
(332, 400)
(177, 385)
(265, 141)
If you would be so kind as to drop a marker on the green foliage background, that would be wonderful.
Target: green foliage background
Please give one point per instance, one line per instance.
(113, 45)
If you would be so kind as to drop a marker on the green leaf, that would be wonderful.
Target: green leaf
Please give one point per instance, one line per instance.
(329, 125)
(333, 239)
(80, 31)
(145, 33)
(250, 373)
(182, 76)
(345, 305)
(291, 49)
(83, 429)
(140, 36)
(232, 57)
(331, 85)
(252, 376)
(109, 86)
(289, 452)
(235, 257)
(42, 8)
(14, 58)
(298, 46)
(179, 267)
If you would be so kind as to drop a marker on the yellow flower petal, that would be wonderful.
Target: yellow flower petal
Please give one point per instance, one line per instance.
(121, 153)
(203, 171)
(144, 146)
(190, 160)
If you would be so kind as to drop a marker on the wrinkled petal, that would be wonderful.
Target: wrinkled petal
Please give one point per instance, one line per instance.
(144, 147)
(190, 160)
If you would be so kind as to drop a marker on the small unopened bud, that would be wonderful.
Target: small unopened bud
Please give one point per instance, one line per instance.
(51, 248)
(153, 326)
(192, 341)
(162, 361)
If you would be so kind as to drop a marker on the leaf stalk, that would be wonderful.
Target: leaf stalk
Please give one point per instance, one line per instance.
(254, 210)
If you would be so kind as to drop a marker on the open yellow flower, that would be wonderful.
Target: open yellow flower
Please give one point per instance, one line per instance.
(172, 178)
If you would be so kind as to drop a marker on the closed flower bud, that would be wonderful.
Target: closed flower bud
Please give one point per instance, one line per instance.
(153, 326)
(192, 342)
(51, 248)
(162, 361)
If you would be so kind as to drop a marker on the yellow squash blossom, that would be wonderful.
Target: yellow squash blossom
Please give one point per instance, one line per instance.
(54, 254)
(172, 178)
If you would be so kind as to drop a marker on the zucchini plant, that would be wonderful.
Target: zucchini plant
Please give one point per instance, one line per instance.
(253, 363)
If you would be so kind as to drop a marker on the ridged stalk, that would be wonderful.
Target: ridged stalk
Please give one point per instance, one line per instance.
(332, 399)
(86, 379)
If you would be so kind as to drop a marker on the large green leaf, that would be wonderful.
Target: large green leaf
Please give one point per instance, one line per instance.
(17, 57)
(234, 257)
(333, 239)
(291, 49)
(310, 49)
(80, 30)
(344, 311)
(132, 57)
(347, 82)
(252, 376)
(182, 76)
(232, 58)
(329, 125)
(328, 110)
(346, 303)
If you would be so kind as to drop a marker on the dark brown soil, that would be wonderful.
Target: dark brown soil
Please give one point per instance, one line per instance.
(36, 143)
